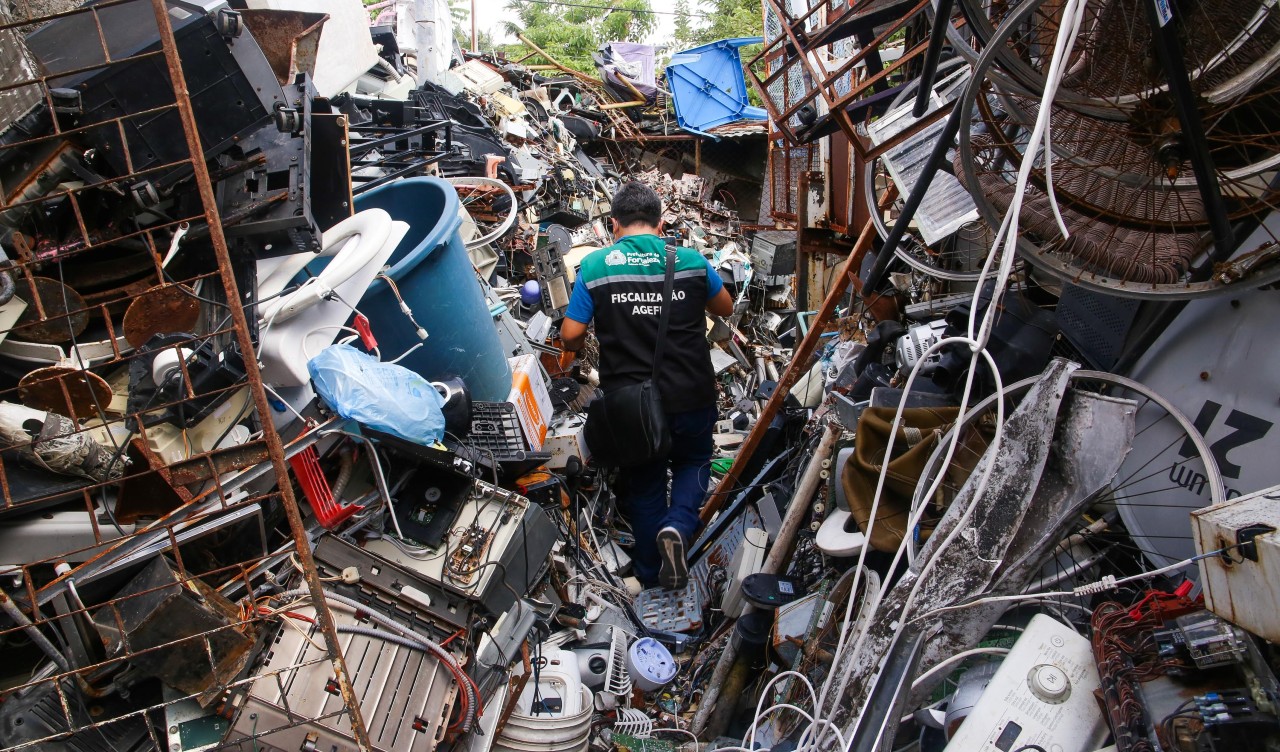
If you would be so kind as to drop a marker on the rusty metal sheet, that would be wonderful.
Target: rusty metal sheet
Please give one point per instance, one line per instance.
(163, 309)
(63, 316)
(220, 462)
(102, 272)
(288, 38)
(150, 491)
(85, 391)
(154, 621)
(115, 299)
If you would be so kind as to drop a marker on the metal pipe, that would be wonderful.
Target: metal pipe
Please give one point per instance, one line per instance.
(778, 554)
(735, 682)
(798, 366)
(937, 35)
(275, 448)
(19, 618)
(720, 678)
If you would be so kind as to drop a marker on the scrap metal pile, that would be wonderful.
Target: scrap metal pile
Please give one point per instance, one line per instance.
(1001, 507)
(293, 459)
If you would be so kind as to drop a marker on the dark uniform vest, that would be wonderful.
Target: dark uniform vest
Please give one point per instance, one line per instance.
(625, 283)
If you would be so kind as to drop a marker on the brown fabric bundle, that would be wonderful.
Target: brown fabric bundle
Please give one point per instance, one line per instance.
(918, 435)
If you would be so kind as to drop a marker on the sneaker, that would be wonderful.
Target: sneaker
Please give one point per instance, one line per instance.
(674, 573)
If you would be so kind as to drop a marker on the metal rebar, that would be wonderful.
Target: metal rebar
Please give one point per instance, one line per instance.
(799, 364)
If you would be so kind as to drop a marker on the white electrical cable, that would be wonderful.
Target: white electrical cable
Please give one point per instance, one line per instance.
(378, 476)
(405, 354)
(284, 402)
(819, 722)
(1106, 583)
(842, 644)
(961, 523)
(924, 678)
(1004, 248)
(995, 446)
(813, 697)
(1074, 22)
(306, 352)
(178, 235)
(1005, 244)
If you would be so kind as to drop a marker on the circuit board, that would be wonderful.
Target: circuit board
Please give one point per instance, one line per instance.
(467, 558)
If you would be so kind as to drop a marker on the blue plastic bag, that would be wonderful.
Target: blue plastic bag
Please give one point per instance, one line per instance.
(383, 396)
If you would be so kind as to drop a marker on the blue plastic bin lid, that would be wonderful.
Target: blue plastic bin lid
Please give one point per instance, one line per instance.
(708, 87)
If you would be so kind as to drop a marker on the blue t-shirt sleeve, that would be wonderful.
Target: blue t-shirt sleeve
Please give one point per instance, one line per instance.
(581, 306)
(714, 283)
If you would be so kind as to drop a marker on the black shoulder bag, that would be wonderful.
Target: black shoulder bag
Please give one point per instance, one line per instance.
(627, 427)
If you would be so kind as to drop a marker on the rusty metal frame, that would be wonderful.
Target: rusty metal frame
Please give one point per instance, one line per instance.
(208, 485)
(275, 447)
(790, 49)
(799, 365)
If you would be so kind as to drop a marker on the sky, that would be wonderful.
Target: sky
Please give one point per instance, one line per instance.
(493, 21)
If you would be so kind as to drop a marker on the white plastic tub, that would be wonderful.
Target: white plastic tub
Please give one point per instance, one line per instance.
(548, 733)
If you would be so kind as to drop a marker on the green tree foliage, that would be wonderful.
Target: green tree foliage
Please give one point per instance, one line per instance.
(572, 33)
(726, 19)
(684, 25)
(460, 12)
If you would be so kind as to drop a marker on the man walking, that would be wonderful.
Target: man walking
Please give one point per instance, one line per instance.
(620, 288)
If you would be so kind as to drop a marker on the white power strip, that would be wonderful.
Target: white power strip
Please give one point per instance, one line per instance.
(1042, 696)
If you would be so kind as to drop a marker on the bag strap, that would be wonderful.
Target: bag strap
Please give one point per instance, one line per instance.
(668, 284)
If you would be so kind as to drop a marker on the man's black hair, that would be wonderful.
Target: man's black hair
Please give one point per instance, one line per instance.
(636, 202)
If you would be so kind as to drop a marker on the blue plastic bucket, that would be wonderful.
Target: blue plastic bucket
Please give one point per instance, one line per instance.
(434, 275)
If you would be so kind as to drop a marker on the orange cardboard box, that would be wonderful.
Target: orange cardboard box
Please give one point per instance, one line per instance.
(532, 400)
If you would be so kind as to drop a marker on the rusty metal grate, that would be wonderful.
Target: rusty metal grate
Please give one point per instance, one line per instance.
(176, 502)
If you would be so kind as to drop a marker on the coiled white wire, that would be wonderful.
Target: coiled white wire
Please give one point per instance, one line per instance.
(1004, 250)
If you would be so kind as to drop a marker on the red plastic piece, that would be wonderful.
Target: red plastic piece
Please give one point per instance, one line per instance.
(1165, 606)
(361, 325)
(306, 466)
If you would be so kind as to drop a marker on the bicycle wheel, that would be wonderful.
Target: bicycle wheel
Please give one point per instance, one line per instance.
(1137, 225)
(956, 258)
(1229, 46)
(491, 205)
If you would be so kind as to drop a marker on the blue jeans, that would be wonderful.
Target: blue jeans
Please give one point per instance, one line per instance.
(642, 490)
